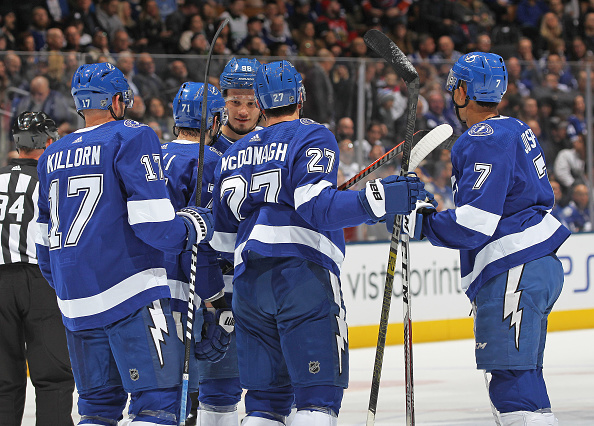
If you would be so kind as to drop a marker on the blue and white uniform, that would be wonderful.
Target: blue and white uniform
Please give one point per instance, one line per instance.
(503, 198)
(105, 223)
(180, 162)
(278, 211)
(86, 223)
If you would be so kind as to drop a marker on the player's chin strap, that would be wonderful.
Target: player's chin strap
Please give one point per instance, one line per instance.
(457, 107)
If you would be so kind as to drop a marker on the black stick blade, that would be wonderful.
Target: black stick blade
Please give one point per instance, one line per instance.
(387, 49)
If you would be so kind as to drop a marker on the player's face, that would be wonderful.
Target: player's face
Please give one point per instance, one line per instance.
(242, 109)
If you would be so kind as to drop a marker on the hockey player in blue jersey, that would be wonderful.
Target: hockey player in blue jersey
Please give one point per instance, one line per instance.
(277, 210)
(181, 168)
(220, 390)
(105, 220)
(507, 239)
(244, 116)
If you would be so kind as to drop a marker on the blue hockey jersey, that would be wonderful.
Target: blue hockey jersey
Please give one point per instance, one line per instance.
(275, 193)
(180, 158)
(503, 200)
(222, 143)
(105, 220)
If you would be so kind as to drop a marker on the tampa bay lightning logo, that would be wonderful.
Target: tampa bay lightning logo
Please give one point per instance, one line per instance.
(133, 124)
(307, 121)
(480, 129)
(470, 58)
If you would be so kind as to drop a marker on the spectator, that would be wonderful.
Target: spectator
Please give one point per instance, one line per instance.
(441, 183)
(176, 21)
(121, 42)
(14, 73)
(404, 38)
(425, 49)
(9, 24)
(386, 117)
(72, 36)
(550, 31)
(42, 98)
(345, 129)
(125, 15)
(347, 164)
(149, 84)
(438, 114)
(54, 40)
(254, 28)
(237, 21)
(569, 165)
(277, 34)
(373, 134)
(559, 205)
(319, 90)
(332, 19)
(157, 113)
(39, 25)
(82, 12)
(577, 120)
(514, 69)
(446, 54)
(528, 14)
(195, 26)
(506, 34)
(530, 75)
(529, 110)
(389, 12)
(153, 37)
(302, 13)
(178, 74)
(99, 47)
(138, 109)
(483, 43)
(588, 30)
(125, 63)
(108, 18)
(555, 64)
(474, 18)
(577, 213)
(437, 17)
(556, 141)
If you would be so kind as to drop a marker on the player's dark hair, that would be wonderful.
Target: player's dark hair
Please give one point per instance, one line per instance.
(281, 111)
(490, 105)
(190, 131)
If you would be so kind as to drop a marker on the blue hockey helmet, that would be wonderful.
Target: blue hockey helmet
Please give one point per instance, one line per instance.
(239, 74)
(94, 85)
(485, 75)
(32, 129)
(278, 84)
(187, 106)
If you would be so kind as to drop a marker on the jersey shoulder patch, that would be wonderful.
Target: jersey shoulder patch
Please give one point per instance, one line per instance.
(480, 129)
(133, 124)
(307, 121)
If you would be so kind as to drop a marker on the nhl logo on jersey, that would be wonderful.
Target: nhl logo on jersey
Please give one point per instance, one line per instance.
(314, 367)
(307, 121)
(103, 103)
(134, 374)
(480, 129)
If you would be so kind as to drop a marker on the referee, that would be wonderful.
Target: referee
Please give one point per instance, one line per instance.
(31, 329)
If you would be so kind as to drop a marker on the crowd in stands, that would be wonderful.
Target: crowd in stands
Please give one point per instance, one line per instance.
(159, 44)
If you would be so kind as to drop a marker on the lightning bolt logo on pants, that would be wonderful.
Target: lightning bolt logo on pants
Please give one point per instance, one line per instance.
(342, 335)
(160, 328)
(511, 302)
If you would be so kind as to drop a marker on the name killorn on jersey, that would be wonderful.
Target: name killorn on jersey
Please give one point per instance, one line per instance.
(83, 156)
(254, 155)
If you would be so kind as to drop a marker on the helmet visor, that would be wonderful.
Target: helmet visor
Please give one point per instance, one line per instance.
(128, 98)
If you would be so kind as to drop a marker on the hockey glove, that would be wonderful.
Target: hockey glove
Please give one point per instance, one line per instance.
(216, 334)
(413, 222)
(199, 223)
(391, 195)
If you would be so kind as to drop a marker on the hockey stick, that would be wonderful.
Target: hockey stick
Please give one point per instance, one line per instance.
(191, 292)
(436, 137)
(428, 143)
(384, 47)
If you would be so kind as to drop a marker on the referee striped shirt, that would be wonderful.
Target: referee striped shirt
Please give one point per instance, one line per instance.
(19, 190)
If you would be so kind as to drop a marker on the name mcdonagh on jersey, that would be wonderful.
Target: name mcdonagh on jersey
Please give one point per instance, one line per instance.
(83, 156)
(254, 155)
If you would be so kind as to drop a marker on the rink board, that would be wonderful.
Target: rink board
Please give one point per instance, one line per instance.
(440, 309)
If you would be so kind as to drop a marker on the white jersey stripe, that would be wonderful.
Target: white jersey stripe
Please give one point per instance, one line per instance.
(14, 236)
(32, 227)
(476, 219)
(305, 193)
(22, 183)
(511, 244)
(110, 298)
(292, 235)
(41, 237)
(223, 241)
(4, 179)
(180, 291)
(143, 211)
